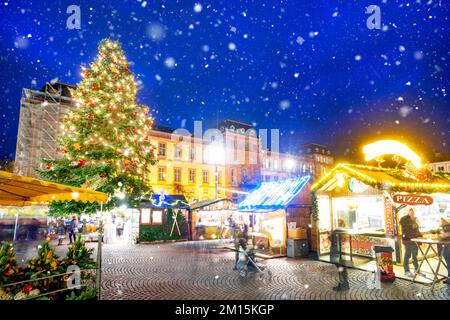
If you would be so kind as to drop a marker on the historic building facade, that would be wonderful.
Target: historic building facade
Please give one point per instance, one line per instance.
(225, 162)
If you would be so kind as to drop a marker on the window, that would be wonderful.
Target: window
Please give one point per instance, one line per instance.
(359, 213)
(157, 217)
(191, 175)
(430, 216)
(177, 151)
(233, 176)
(177, 174)
(205, 176)
(275, 164)
(161, 173)
(149, 216)
(244, 173)
(192, 154)
(145, 216)
(267, 163)
(162, 149)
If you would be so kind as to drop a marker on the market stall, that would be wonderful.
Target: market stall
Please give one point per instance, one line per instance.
(277, 211)
(210, 219)
(26, 199)
(163, 217)
(365, 203)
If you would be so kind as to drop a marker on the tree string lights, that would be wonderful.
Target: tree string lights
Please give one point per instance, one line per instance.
(104, 143)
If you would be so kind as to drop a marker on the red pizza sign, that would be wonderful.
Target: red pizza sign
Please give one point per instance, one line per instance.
(413, 199)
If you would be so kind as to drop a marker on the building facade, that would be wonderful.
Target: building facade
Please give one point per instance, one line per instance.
(437, 167)
(225, 162)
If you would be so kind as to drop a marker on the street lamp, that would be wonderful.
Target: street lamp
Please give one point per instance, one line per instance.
(215, 155)
(289, 164)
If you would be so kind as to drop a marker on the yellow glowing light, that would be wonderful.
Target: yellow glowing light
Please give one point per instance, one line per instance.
(385, 147)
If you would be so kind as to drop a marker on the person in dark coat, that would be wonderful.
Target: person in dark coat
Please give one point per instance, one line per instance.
(240, 240)
(410, 230)
(336, 258)
(73, 229)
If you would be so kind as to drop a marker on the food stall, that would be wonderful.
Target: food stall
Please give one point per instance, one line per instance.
(366, 203)
(26, 199)
(273, 207)
(210, 219)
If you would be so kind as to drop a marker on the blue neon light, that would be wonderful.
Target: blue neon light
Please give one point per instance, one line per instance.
(274, 195)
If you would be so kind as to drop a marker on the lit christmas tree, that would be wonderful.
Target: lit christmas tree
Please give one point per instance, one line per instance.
(104, 141)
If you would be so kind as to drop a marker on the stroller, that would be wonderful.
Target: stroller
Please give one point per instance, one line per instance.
(249, 265)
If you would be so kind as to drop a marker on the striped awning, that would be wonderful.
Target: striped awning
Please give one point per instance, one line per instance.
(274, 195)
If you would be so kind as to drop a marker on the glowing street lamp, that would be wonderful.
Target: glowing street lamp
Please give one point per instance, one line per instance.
(215, 154)
(290, 164)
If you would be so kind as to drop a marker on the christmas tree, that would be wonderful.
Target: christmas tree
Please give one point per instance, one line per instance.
(104, 142)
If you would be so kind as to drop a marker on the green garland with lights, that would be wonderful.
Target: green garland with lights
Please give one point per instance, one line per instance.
(315, 206)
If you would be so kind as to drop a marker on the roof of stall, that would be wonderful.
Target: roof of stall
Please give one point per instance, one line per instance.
(164, 201)
(274, 195)
(389, 179)
(205, 203)
(24, 191)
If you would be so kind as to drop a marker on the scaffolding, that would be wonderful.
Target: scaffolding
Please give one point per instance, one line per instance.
(41, 115)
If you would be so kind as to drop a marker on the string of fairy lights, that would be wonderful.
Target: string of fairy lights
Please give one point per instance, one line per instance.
(106, 119)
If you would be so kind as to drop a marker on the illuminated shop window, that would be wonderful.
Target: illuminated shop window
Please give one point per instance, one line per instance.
(429, 217)
(157, 217)
(359, 213)
(323, 203)
(145, 216)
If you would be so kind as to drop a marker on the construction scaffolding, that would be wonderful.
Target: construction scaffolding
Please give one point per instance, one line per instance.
(41, 115)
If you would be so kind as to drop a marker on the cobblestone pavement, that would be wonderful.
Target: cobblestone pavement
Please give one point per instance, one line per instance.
(203, 270)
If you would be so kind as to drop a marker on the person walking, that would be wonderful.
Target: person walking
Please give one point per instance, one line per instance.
(240, 240)
(444, 235)
(410, 230)
(336, 258)
(61, 229)
(119, 227)
(73, 229)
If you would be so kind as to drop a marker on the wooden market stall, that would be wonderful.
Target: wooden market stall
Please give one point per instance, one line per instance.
(209, 219)
(277, 211)
(163, 217)
(19, 191)
(366, 203)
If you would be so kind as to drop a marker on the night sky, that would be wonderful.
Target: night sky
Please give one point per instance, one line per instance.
(310, 68)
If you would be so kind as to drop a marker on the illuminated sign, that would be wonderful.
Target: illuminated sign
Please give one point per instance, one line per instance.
(356, 186)
(413, 199)
(385, 147)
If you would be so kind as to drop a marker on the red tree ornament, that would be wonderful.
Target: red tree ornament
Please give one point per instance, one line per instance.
(82, 162)
(94, 88)
(118, 90)
(49, 166)
(90, 116)
(116, 76)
